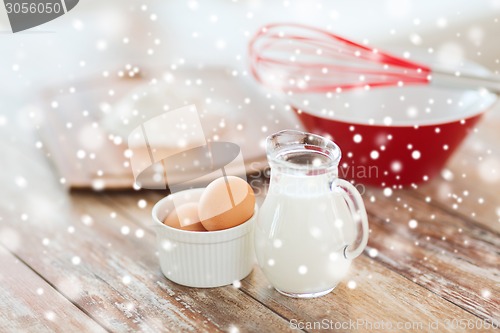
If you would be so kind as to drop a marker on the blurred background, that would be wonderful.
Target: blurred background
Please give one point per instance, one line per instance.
(97, 43)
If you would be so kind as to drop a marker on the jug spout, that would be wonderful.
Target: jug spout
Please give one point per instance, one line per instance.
(299, 152)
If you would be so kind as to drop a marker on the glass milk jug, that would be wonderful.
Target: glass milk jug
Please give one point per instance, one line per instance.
(311, 224)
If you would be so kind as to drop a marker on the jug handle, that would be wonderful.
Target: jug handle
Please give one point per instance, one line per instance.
(357, 208)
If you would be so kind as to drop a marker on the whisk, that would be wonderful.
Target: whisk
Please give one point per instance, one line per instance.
(299, 58)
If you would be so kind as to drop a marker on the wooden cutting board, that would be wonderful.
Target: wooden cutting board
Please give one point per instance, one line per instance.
(86, 156)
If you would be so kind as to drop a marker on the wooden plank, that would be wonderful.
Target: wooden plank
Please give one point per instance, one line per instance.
(116, 277)
(470, 182)
(452, 257)
(380, 295)
(28, 303)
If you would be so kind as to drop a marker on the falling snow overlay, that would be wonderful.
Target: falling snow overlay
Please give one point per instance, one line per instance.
(78, 250)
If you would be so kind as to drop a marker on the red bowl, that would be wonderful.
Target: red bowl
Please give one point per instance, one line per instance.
(393, 136)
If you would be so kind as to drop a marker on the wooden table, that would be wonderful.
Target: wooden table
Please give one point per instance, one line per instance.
(87, 261)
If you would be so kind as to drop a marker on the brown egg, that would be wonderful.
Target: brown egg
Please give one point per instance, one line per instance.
(189, 215)
(226, 203)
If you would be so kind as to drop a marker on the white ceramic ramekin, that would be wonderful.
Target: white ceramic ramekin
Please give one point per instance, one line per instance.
(202, 259)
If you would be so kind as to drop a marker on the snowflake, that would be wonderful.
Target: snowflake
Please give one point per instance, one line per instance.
(277, 243)
(233, 329)
(76, 260)
(139, 233)
(373, 252)
(125, 230)
(50, 315)
(374, 154)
